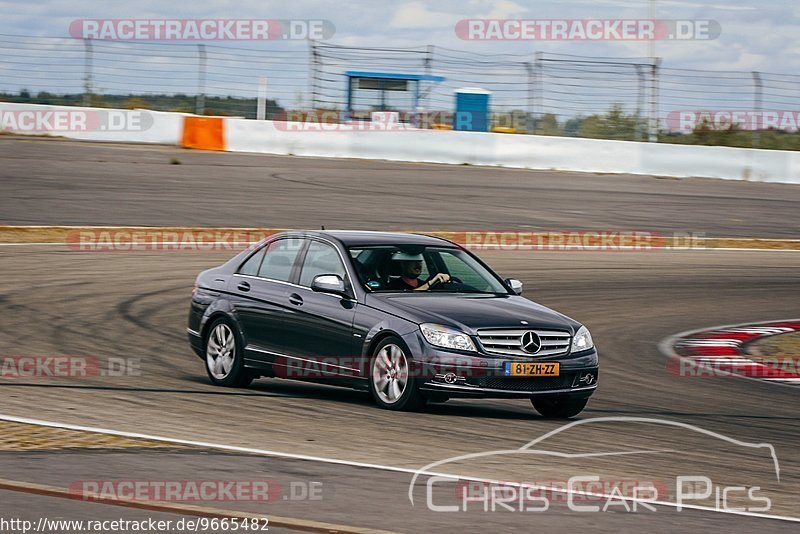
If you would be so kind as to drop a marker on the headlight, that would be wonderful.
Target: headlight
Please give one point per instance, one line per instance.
(442, 336)
(582, 340)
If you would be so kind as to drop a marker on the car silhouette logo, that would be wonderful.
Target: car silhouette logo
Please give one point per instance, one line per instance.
(530, 342)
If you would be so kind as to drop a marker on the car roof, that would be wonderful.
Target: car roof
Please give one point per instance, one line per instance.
(351, 238)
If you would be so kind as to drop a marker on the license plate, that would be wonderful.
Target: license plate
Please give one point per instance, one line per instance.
(531, 368)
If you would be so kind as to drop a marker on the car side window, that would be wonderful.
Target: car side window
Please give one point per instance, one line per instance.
(321, 258)
(279, 259)
(458, 268)
(250, 267)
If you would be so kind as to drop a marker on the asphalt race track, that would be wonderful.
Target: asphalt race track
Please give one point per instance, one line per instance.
(134, 305)
(72, 183)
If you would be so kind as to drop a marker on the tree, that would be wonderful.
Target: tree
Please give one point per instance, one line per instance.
(615, 124)
(572, 126)
(136, 102)
(548, 125)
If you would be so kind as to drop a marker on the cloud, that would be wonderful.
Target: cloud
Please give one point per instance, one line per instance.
(754, 36)
(505, 9)
(747, 61)
(416, 15)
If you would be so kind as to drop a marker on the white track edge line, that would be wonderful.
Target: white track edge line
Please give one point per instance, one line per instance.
(352, 463)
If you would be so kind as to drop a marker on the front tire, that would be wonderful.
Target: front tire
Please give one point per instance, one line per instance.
(224, 355)
(390, 378)
(559, 407)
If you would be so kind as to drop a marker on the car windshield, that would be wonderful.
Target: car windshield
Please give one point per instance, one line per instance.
(393, 268)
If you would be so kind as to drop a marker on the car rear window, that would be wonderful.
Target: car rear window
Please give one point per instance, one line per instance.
(279, 259)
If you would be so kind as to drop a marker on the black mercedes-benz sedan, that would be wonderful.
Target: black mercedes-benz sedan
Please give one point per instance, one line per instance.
(411, 318)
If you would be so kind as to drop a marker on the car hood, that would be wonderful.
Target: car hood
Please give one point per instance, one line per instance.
(471, 312)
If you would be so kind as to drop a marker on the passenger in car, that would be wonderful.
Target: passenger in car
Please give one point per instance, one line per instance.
(410, 269)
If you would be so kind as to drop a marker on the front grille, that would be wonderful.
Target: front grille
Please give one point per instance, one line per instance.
(514, 383)
(509, 341)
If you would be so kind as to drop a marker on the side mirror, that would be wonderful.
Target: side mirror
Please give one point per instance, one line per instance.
(329, 283)
(515, 285)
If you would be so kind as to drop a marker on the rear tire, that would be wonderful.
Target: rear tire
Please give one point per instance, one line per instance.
(559, 407)
(224, 355)
(391, 380)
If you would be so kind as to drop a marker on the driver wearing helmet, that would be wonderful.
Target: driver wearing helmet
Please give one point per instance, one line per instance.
(410, 269)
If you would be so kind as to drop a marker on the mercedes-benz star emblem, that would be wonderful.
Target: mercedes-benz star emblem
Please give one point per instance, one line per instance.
(530, 342)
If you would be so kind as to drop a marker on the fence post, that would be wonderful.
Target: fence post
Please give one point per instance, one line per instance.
(313, 63)
(757, 94)
(640, 96)
(200, 106)
(429, 51)
(538, 94)
(529, 122)
(87, 72)
(261, 105)
(653, 138)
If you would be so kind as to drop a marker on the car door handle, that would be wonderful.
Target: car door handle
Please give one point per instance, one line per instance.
(244, 286)
(296, 299)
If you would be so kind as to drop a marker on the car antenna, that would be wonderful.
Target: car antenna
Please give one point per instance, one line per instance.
(322, 227)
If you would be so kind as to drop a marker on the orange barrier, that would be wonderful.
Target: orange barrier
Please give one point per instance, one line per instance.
(204, 133)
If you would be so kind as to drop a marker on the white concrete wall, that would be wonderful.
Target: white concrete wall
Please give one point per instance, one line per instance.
(520, 151)
(126, 126)
(475, 148)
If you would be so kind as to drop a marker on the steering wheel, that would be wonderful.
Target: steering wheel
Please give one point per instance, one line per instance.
(453, 279)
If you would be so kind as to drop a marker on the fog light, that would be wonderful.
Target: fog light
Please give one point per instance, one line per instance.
(585, 379)
(450, 378)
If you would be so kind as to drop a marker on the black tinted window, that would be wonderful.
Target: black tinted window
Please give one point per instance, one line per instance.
(279, 259)
(250, 267)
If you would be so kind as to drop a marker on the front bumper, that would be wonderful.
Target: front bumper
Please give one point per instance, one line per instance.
(455, 374)
(196, 342)
(567, 384)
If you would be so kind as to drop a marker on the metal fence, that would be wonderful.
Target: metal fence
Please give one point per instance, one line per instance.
(622, 98)
(537, 84)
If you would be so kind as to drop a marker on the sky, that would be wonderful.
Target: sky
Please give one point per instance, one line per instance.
(755, 35)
